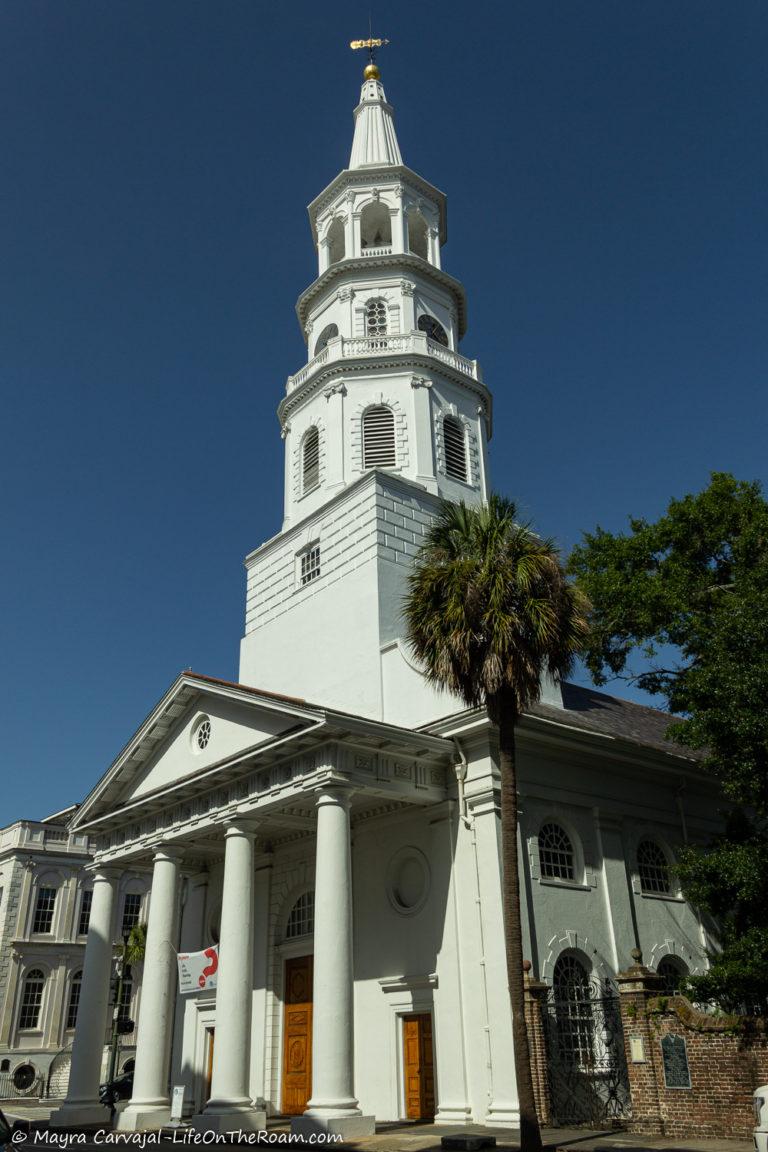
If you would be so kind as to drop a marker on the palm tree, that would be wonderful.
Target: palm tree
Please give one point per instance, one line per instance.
(489, 610)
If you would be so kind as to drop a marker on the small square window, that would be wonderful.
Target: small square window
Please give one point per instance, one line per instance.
(309, 564)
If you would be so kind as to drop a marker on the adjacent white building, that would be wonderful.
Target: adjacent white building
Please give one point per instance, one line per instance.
(330, 820)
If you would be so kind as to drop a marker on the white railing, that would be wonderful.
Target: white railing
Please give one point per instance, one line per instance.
(381, 250)
(342, 348)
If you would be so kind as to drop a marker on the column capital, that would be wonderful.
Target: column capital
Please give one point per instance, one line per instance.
(240, 826)
(102, 872)
(172, 852)
(337, 792)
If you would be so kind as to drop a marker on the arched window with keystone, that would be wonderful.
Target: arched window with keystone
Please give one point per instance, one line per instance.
(556, 854)
(379, 437)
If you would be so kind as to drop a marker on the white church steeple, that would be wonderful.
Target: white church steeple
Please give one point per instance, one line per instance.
(375, 141)
(386, 408)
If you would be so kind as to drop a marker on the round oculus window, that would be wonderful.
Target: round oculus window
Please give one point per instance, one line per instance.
(408, 881)
(201, 734)
(24, 1077)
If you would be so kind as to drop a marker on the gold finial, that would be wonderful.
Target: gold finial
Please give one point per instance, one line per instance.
(371, 70)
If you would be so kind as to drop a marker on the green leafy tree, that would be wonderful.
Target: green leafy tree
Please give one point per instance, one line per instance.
(489, 611)
(680, 608)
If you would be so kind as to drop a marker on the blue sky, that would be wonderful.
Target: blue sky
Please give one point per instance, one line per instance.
(605, 163)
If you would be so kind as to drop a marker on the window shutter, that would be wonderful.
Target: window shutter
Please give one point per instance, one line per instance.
(379, 438)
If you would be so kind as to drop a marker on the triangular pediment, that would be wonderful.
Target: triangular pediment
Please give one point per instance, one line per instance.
(199, 724)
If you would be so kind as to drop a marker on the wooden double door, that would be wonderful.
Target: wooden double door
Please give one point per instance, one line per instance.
(297, 1035)
(419, 1067)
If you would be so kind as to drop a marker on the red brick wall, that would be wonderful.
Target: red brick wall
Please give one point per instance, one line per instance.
(727, 1059)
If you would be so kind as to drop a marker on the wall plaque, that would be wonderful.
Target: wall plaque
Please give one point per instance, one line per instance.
(677, 1074)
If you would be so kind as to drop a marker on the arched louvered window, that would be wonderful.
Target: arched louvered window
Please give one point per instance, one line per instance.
(455, 445)
(32, 999)
(74, 999)
(379, 437)
(653, 868)
(433, 329)
(556, 853)
(301, 921)
(310, 461)
(673, 972)
(327, 334)
(376, 318)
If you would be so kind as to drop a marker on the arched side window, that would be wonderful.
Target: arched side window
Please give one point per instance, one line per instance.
(32, 999)
(328, 333)
(310, 461)
(335, 241)
(301, 921)
(432, 328)
(417, 234)
(573, 1011)
(375, 226)
(455, 447)
(673, 971)
(74, 999)
(379, 437)
(376, 318)
(556, 855)
(653, 869)
(42, 922)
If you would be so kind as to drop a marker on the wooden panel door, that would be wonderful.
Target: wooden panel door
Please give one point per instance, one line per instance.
(419, 1064)
(297, 1035)
(210, 1034)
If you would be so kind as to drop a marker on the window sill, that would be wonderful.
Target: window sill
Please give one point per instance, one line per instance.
(670, 897)
(551, 882)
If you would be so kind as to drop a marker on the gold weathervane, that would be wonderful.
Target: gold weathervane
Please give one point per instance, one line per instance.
(371, 71)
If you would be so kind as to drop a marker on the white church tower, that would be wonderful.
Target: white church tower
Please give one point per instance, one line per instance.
(384, 419)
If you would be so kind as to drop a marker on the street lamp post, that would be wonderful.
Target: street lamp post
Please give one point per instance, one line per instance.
(123, 971)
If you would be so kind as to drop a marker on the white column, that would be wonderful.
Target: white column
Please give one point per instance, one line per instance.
(333, 1106)
(82, 1103)
(185, 1017)
(230, 1104)
(150, 1104)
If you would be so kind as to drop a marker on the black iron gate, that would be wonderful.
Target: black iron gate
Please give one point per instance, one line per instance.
(586, 1065)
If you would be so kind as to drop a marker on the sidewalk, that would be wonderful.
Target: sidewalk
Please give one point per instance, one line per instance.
(420, 1137)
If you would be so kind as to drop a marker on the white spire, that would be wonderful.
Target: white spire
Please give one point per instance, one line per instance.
(375, 142)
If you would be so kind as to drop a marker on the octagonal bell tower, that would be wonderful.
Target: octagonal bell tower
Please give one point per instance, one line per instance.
(384, 419)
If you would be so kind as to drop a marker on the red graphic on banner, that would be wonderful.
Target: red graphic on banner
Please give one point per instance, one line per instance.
(209, 970)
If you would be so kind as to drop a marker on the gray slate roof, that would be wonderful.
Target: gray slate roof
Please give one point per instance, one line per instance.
(598, 712)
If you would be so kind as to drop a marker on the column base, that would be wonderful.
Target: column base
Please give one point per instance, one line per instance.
(503, 1116)
(234, 1119)
(80, 1116)
(137, 1117)
(453, 1114)
(350, 1125)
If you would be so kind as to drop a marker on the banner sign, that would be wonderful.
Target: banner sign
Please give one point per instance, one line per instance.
(197, 970)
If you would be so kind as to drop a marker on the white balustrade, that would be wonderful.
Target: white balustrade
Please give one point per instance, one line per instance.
(342, 348)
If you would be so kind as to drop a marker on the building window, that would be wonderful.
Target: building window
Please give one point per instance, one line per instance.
(375, 228)
(32, 999)
(126, 995)
(573, 1009)
(433, 330)
(418, 241)
(74, 999)
(673, 972)
(376, 318)
(46, 902)
(328, 333)
(310, 461)
(301, 921)
(379, 438)
(309, 564)
(653, 868)
(556, 853)
(455, 445)
(85, 912)
(131, 911)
